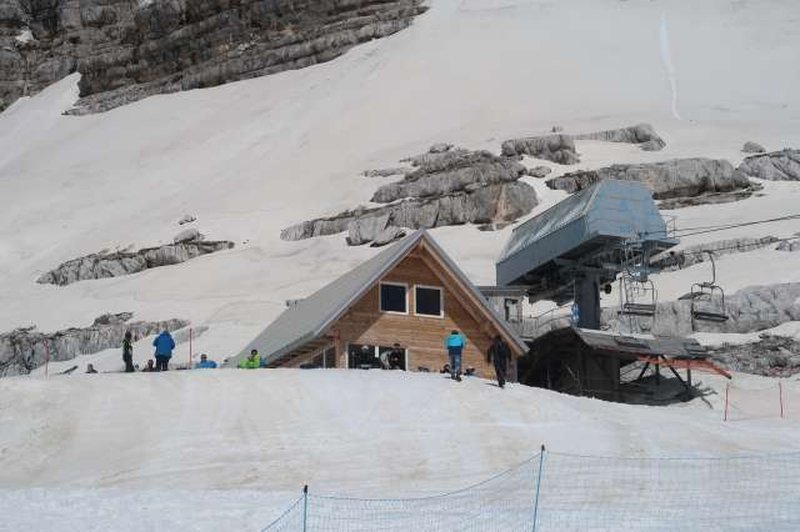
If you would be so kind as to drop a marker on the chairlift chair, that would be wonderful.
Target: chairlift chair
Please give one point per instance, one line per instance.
(638, 295)
(707, 299)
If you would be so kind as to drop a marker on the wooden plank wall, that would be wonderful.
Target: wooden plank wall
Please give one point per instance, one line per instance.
(422, 336)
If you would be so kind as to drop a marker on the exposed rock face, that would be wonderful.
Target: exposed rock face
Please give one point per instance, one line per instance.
(557, 148)
(129, 49)
(690, 255)
(560, 148)
(492, 204)
(771, 356)
(753, 147)
(789, 245)
(752, 309)
(104, 265)
(452, 171)
(447, 186)
(539, 171)
(781, 165)
(23, 350)
(667, 179)
(642, 134)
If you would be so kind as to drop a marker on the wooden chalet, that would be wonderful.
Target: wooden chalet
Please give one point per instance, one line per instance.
(411, 294)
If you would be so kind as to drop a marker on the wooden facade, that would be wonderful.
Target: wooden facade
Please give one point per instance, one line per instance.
(422, 336)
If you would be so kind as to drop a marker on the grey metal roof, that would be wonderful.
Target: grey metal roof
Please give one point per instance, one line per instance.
(309, 318)
(583, 224)
(669, 346)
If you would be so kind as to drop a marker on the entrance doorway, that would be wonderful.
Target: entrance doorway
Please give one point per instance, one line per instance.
(365, 356)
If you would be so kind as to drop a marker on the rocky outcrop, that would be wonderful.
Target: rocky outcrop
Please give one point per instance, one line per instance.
(688, 256)
(781, 165)
(539, 171)
(560, 148)
(642, 134)
(557, 148)
(449, 171)
(23, 350)
(104, 265)
(771, 356)
(789, 245)
(749, 310)
(492, 205)
(445, 186)
(753, 147)
(667, 179)
(130, 49)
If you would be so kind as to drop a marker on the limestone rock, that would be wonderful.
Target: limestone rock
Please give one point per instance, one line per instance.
(539, 171)
(366, 229)
(771, 356)
(667, 179)
(104, 265)
(384, 172)
(688, 256)
(23, 350)
(457, 172)
(557, 148)
(781, 165)
(753, 147)
(789, 245)
(387, 236)
(126, 50)
(187, 219)
(642, 134)
(440, 147)
(187, 235)
(489, 204)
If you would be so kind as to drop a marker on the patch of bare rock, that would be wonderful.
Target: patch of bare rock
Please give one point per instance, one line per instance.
(783, 165)
(23, 350)
(444, 186)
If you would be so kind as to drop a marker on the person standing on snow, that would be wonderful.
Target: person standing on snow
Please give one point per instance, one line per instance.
(127, 352)
(164, 344)
(500, 354)
(455, 344)
(253, 361)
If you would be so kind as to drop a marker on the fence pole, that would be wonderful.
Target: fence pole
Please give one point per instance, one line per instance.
(305, 508)
(46, 358)
(190, 348)
(727, 387)
(780, 396)
(538, 488)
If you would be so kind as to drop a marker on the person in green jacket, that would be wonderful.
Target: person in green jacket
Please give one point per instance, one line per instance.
(253, 361)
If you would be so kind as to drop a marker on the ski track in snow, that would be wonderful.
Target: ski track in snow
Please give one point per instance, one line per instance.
(666, 57)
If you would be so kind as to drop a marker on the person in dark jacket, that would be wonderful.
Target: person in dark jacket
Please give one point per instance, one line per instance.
(150, 367)
(396, 358)
(90, 368)
(164, 344)
(127, 352)
(500, 354)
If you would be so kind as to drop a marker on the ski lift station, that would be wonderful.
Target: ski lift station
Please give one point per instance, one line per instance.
(571, 252)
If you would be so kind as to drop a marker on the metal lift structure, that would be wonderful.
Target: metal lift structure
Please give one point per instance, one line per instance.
(572, 251)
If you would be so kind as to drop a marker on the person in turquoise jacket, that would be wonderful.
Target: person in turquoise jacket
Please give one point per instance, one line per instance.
(455, 344)
(253, 361)
(205, 363)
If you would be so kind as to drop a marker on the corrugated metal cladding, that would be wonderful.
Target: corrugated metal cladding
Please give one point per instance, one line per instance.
(609, 211)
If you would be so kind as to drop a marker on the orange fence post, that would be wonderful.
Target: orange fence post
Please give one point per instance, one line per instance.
(780, 396)
(190, 348)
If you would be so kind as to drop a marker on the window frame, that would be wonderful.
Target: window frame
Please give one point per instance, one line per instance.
(441, 301)
(380, 299)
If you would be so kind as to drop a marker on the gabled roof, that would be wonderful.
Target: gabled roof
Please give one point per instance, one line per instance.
(310, 318)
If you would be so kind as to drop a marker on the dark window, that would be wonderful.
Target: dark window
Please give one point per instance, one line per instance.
(393, 298)
(429, 301)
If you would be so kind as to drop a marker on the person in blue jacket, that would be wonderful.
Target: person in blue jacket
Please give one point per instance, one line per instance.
(164, 344)
(455, 346)
(205, 363)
